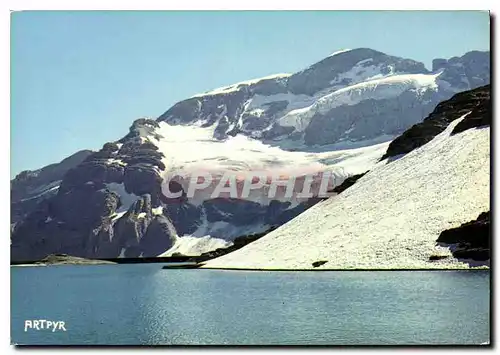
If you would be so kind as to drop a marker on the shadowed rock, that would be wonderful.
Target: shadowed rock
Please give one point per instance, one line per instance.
(471, 240)
(319, 263)
(475, 103)
(351, 180)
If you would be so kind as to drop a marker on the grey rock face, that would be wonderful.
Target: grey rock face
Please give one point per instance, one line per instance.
(29, 188)
(24, 184)
(185, 216)
(160, 235)
(368, 120)
(236, 214)
(87, 229)
(467, 72)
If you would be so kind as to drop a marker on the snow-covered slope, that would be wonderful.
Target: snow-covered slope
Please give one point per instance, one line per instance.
(390, 218)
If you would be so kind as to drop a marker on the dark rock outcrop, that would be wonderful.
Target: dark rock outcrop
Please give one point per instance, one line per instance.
(238, 243)
(136, 163)
(475, 103)
(64, 259)
(351, 180)
(476, 254)
(140, 128)
(185, 216)
(319, 263)
(437, 257)
(24, 184)
(160, 235)
(480, 116)
(471, 240)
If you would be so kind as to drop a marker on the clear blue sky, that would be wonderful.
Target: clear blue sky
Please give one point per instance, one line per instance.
(79, 79)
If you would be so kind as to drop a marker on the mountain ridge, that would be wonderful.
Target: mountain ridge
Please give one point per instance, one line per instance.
(272, 110)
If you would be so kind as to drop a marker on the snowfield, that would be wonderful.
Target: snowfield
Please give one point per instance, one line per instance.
(243, 156)
(390, 218)
(198, 150)
(374, 89)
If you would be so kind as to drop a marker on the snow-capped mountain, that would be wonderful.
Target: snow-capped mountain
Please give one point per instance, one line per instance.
(337, 115)
(351, 98)
(395, 215)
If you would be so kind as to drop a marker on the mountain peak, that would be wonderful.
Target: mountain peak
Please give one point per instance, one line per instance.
(361, 63)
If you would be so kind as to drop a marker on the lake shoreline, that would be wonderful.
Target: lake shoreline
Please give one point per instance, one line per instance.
(192, 262)
(200, 267)
(59, 259)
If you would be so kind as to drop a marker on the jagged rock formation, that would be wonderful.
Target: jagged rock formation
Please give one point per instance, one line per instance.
(29, 188)
(80, 219)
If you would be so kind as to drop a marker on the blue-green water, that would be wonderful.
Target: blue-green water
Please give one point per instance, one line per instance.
(142, 304)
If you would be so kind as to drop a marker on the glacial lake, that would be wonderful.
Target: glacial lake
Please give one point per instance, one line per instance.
(142, 304)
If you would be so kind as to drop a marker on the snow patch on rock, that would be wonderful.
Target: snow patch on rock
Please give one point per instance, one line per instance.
(234, 87)
(115, 161)
(340, 51)
(40, 191)
(157, 210)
